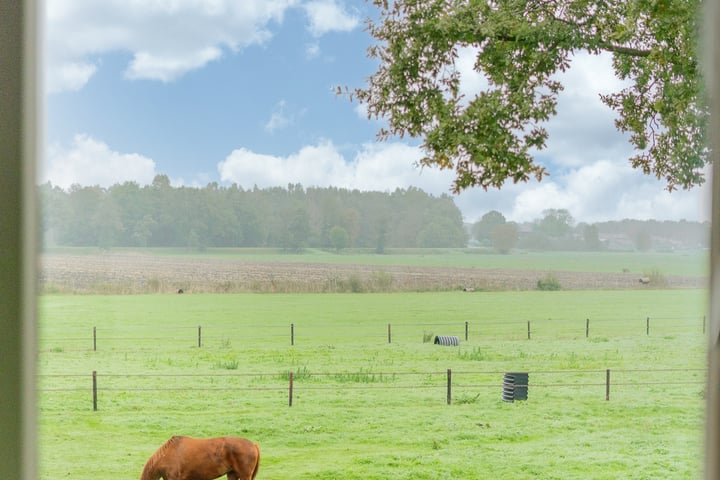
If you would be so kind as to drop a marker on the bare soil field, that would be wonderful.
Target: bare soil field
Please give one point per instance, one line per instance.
(118, 273)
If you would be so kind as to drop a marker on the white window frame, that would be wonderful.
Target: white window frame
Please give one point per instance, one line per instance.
(21, 117)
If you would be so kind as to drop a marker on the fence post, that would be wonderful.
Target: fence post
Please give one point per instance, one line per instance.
(466, 331)
(95, 339)
(199, 336)
(607, 384)
(647, 326)
(587, 327)
(528, 329)
(94, 393)
(292, 336)
(389, 334)
(449, 386)
(290, 391)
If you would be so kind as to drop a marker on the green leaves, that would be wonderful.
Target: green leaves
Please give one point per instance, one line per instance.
(488, 137)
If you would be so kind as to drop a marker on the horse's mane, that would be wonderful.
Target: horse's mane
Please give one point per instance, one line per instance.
(148, 471)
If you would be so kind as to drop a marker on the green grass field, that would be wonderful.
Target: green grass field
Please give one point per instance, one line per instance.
(368, 408)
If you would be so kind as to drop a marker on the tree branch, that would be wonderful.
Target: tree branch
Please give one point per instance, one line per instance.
(633, 52)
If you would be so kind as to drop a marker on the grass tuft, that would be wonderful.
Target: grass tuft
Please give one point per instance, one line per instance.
(548, 283)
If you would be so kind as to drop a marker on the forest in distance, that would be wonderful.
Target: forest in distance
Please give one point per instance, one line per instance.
(297, 217)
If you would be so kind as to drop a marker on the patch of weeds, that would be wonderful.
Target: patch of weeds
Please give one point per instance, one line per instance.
(570, 362)
(427, 337)
(228, 364)
(466, 399)
(549, 283)
(364, 377)
(381, 281)
(474, 355)
(301, 373)
(598, 339)
(352, 284)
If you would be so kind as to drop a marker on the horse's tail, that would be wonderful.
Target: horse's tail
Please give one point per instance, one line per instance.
(257, 462)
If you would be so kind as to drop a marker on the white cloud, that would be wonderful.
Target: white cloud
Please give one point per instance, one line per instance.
(312, 50)
(317, 165)
(169, 67)
(472, 82)
(165, 38)
(70, 76)
(278, 119)
(92, 162)
(380, 167)
(329, 16)
(595, 192)
(583, 131)
(361, 110)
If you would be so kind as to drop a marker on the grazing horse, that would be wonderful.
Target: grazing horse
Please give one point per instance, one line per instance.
(185, 458)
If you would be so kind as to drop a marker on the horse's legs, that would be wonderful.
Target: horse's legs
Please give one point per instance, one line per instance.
(232, 476)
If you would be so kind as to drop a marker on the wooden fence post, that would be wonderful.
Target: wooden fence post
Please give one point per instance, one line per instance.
(292, 336)
(94, 391)
(449, 386)
(607, 384)
(199, 336)
(528, 329)
(389, 334)
(587, 327)
(290, 391)
(94, 339)
(647, 326)
(466, 331)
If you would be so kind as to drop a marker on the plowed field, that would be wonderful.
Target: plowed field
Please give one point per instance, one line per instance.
(138, 273)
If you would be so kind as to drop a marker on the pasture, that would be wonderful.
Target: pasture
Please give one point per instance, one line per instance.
(366, 405)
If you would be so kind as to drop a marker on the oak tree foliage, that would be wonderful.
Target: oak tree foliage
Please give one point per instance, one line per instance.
(521, 46)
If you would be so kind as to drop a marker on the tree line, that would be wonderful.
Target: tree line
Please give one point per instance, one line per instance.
(292, 218)
(558, 230)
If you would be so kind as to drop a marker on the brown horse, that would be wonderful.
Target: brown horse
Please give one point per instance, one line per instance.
(185, 458)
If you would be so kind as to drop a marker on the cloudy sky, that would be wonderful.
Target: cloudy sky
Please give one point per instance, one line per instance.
(243, 92)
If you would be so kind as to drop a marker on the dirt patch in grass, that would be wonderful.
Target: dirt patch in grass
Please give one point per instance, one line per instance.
(113, 273)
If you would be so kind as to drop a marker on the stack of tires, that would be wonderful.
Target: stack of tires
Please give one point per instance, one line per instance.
(515, 386)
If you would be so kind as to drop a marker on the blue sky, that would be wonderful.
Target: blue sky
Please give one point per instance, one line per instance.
(243, 92)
